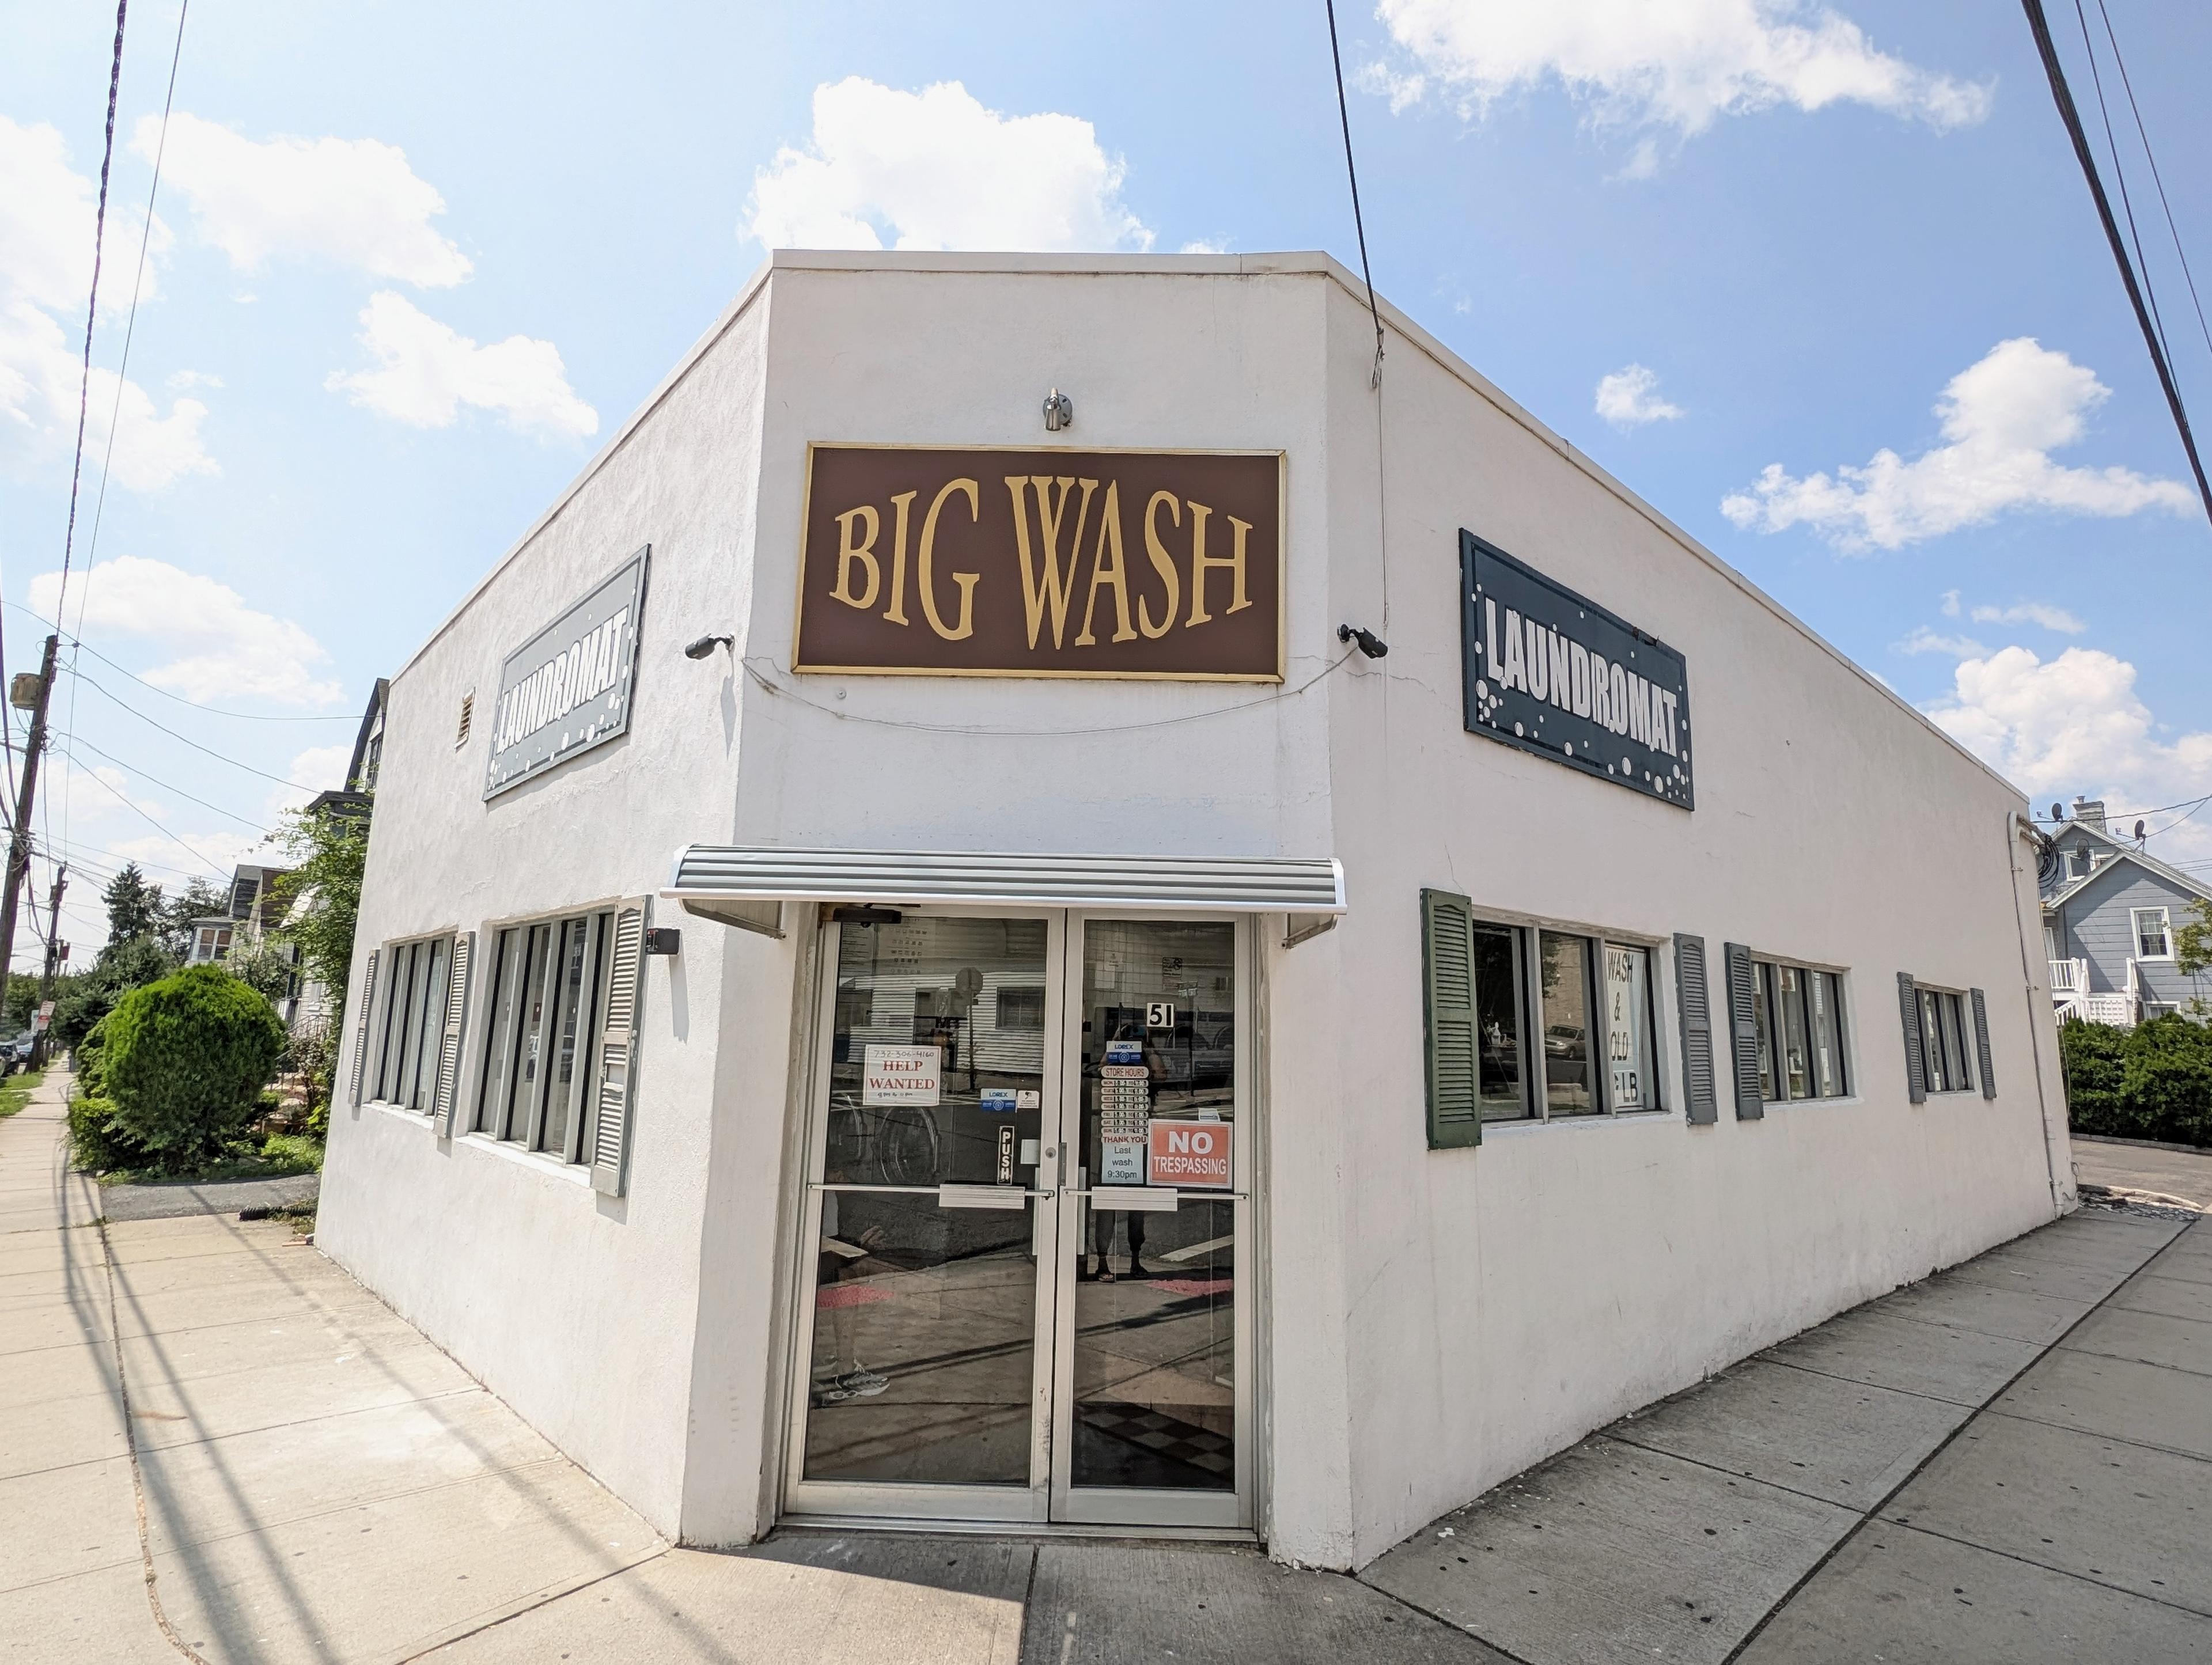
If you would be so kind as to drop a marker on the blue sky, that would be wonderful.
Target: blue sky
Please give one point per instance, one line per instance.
(411, 265)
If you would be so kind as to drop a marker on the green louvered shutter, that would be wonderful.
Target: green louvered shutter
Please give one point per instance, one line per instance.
(1694, 1003)
(1448, 1019)
(1916, 1060)
(1743, 1032)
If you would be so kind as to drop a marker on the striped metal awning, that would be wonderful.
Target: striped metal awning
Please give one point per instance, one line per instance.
(727, 873)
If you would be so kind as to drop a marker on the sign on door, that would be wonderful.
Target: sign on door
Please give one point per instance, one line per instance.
(1190, 1155)
(900, 1075)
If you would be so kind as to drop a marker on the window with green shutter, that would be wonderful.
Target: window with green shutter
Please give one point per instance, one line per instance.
(1449, 1026)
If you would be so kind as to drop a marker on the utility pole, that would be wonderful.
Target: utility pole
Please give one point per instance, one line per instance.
(25, 695)
(55, 949)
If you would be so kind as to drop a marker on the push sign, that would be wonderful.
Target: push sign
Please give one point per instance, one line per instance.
(568, 688)
(1552, 672)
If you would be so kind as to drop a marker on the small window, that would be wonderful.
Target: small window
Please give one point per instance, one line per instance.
(2077, 862)
(2154, 934)
(1801, 1032)
(1631, 1053)
(468, 712)
(1947, 1042)
(1021, 1006)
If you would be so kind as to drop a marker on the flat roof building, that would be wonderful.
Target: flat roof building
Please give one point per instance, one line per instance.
(1035, 900)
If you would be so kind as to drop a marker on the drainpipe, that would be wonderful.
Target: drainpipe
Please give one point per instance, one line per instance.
(2019, 831)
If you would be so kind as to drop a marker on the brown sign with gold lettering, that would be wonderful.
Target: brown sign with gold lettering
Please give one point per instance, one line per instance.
(985, 562)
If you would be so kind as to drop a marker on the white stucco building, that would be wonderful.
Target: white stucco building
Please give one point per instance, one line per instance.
(1343, 1131)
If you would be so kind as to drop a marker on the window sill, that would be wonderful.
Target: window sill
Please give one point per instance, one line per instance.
(538, 1161)
(1625, 1119)
(1844, 1103)
(415, 1118)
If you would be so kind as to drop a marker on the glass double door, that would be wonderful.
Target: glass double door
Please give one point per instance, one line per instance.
(1025, 1216)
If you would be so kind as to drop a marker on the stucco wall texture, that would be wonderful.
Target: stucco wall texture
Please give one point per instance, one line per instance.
(1435, 1321)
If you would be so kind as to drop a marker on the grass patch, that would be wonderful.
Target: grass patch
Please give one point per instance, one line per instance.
(15, 1090)
(274, 1158)
(299, 1216)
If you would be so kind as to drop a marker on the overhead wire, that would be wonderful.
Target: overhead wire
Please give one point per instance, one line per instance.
(154, 824)
(122, 370)
(2055, 72)
(2157, 180)
(2120, 178)
(219, 756)
(214, 710)
(166, 786)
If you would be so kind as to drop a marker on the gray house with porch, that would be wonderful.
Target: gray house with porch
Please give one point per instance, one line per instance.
(2110, 912)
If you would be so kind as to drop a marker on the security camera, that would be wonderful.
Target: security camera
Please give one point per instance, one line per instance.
(1369, 644)
(706, 646)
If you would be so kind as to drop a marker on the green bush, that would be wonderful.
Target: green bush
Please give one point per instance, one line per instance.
(96, 1144)
(2153, 1081)
(185, 1060)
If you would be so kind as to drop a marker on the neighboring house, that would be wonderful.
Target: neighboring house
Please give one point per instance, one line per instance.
(310, 1008)
(2109, 915)
(253, 910)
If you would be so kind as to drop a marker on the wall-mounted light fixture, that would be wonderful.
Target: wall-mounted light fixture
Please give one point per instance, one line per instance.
(706, 645)
(1369, 644)
(1058, 411)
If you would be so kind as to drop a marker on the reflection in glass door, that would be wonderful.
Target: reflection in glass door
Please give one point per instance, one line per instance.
(1148, 1346)
(996, 1097)
(924, 1382)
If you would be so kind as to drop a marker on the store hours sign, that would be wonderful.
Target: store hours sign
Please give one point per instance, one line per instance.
(568, 688)
(1552, 672)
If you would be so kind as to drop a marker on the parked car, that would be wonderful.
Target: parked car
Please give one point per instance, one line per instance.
(15, 1052)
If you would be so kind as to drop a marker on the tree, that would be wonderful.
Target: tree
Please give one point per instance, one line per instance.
(119, 968)
(264, 962)
(323, 892)
(201, 899)
(134, 906)
(184, 1062)
(2192, 949)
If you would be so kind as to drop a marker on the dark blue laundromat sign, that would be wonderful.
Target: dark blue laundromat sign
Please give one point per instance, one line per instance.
(1552, 672)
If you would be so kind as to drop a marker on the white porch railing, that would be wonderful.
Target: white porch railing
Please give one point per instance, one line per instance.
(2071, 996)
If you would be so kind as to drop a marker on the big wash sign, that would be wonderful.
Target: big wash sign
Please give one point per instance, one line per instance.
(568, 688)
(1552, 672)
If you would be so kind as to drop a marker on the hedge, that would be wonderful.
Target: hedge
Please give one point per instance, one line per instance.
(2153, 1081)
(184, 1060)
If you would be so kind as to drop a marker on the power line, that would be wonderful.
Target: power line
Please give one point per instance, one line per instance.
(2056, 74)
(2150, 156)
(147, 818)
(79, 740)
(1344, 116)
(2122, 814)
(2120, 178)
(122, 372)
(92, 304)
(219, 756)
(213, 710)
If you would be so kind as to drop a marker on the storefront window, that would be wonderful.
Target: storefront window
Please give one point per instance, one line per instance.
(548, 991)
(1566, 997)
(1801, 1032)
(1827, 1004)
(414, 1022)
(1499, 1002)
(1630, 1052)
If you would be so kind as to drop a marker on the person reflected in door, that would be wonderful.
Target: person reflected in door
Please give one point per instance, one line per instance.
(1104, 1219)
(838, 1258)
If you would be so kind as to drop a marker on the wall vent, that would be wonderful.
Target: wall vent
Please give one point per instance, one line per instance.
(468, 710)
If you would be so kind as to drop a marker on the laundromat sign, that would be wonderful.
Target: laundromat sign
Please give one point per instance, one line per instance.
(1552, 672)
(568, 688)
(1042, 563)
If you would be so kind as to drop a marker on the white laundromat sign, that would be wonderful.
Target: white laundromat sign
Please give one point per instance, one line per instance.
(568, 688)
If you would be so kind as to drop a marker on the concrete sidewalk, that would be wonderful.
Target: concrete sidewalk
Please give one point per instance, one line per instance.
(217, 1446)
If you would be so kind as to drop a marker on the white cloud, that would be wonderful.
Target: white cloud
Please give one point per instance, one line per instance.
(319, 768)
(352, 201)
(2075, 724)
(1950, 603)
(2031, 612)
(1629, 398)
(2002, 418)
(426, 371)
(936, 170)
(218, 649)
(1679, 63)
(1925, 641)
(46, 210)
(1207, 245)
